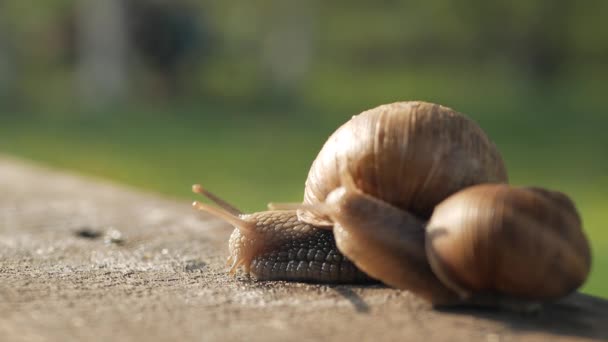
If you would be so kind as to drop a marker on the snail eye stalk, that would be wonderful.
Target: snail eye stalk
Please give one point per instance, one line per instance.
(198, 189)
(224, 211)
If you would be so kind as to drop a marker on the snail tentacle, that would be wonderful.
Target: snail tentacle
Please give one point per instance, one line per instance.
(198, 189)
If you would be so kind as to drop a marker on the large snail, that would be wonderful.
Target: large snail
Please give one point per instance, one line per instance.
(414, 194)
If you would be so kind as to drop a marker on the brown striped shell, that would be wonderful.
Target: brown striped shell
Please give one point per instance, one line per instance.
(409, 154)
(520, 242)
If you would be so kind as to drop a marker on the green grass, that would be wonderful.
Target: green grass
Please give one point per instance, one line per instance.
(254, 156)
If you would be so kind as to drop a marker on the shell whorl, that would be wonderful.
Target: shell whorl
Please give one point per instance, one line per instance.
(409, 154)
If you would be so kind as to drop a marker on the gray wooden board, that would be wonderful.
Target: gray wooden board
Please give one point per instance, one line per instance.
(66, 275)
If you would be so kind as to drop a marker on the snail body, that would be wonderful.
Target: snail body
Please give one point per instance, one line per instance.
(280, 247)
(396, 191)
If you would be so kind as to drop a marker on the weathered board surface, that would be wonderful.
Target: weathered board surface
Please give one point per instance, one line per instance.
(84, 260)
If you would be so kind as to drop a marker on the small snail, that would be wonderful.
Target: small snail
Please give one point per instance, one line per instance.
(414, 194)
(526, 243)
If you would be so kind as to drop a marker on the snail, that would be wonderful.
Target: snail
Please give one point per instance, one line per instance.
(415, 195)
(526, 243)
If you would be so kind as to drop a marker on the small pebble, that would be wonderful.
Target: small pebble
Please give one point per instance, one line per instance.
(114, 236)
(195, 265)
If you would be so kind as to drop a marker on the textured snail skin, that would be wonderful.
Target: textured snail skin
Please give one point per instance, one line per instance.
(280, 247)
(524, 243)
(409, 154)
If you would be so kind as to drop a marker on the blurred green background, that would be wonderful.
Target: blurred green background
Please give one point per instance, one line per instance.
(240, 95)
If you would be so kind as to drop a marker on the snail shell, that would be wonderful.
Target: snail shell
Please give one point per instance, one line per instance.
(520, 242)
(409, 154)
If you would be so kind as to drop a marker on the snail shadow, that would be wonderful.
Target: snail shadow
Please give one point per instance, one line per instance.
(577, 315)
(355, 299)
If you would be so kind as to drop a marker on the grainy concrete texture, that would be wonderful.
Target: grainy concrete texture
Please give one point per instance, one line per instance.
(85, 260)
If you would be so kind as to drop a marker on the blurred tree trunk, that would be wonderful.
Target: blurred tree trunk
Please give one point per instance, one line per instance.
(8, 67)
(545, 46)
(7, 72)
(288, 45)
(103, 44)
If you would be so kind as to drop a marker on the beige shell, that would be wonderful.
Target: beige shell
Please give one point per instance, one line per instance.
(409, 154)
(520, 242)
